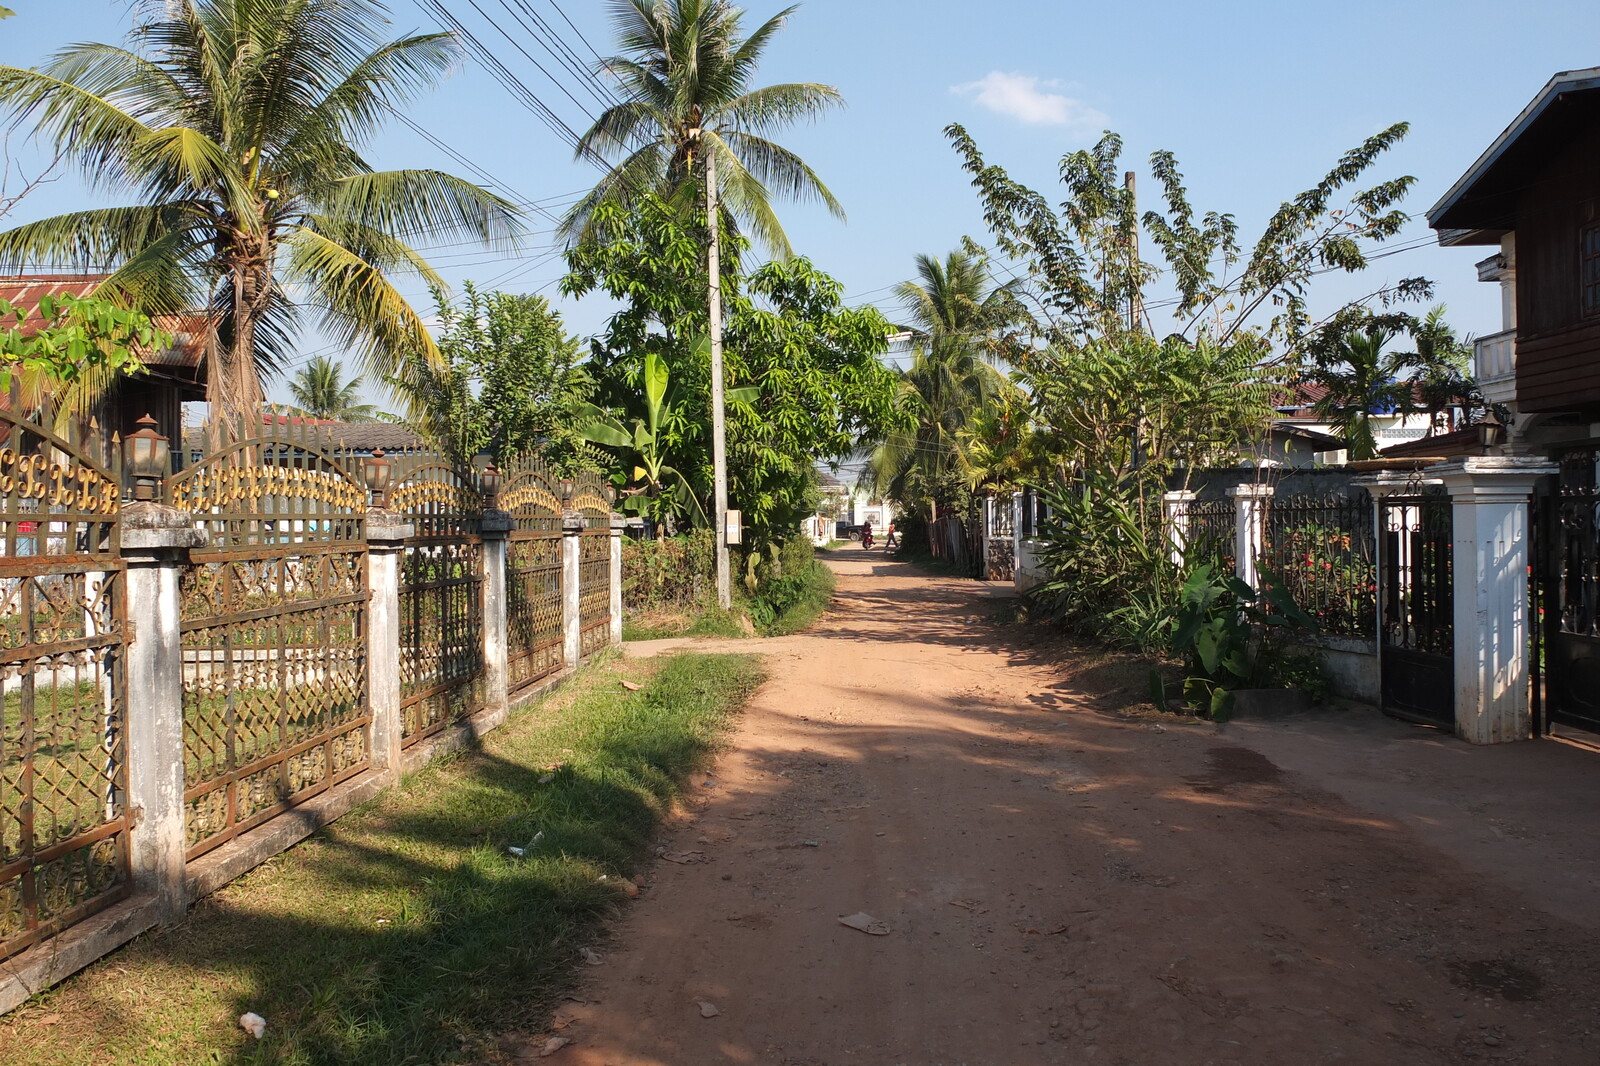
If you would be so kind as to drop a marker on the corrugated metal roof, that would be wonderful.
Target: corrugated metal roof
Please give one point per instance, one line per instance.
(189, 331)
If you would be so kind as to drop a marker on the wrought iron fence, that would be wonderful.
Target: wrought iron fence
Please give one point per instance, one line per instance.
(1209, 534)
(441, 597)
(63, 697)
(1323, 550)
(534, 580)
(592, 498)
(273, 614)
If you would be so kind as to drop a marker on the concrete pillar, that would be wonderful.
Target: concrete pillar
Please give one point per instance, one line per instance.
(1489, 498)
(571, 591)
(1175, 520)
(1016, 534)
(496, 527)
(617, 522)
(1250, 503)
(386, 536)
(155, 546)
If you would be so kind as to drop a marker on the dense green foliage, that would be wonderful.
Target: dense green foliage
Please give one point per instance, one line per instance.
(508, 379)
(239, 126)
(818, 387)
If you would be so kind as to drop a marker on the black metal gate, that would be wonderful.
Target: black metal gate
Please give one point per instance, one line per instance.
(1571, 587)
(1416, 609)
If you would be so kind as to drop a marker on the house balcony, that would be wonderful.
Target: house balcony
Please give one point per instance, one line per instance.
(1494, 364)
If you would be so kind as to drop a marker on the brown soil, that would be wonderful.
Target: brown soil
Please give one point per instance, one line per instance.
(1064, 881)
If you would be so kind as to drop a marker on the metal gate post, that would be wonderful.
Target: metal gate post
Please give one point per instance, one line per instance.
(496, 528)
(155, 543)
(1490, 497)
(386, 537)
(572, 524)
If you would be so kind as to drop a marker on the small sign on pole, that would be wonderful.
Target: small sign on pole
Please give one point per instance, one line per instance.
(733, 532)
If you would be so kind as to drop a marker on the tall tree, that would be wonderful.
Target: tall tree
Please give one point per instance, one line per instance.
(686, 75)
(238, 125)
(962, 322)
(320, 390)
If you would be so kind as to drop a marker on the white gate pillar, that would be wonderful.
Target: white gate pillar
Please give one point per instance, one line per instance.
(572, 524)
(1250, 503)
(1175, 519)
(386, 544)
(155, 546)
(617, 523)
(496, 529)
(1490, 497)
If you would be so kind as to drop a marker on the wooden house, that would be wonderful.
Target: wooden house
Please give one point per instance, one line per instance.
(1534, 198)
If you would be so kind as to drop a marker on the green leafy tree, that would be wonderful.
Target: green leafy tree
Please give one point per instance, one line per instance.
(686, 76)
(66, 357)
(239, 125)
(508, 380)
(320, 390)
(820, 390)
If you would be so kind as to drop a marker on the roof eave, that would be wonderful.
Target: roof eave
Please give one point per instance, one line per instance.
(1564, 82)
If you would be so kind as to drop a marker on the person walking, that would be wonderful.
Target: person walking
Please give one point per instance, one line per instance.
(889, 542)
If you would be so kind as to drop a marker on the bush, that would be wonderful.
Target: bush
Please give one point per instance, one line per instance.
(678, 573)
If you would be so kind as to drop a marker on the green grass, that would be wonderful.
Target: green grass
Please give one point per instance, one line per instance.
(406, 932)
(800, 601)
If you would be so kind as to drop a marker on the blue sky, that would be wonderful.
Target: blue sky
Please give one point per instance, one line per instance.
(1256, 99)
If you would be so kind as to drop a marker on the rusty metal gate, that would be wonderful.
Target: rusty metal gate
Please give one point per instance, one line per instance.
(592, 498)
(273, 618)
(533, 574)
(441, 597)
(1570, 582)
(1416, 608)
(63, 698)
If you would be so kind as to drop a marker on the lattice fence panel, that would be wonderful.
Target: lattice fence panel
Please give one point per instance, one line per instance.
(63, 697)
(534, 579)
(274, 627)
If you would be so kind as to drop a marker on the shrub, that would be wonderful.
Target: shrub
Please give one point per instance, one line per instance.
(676, 573)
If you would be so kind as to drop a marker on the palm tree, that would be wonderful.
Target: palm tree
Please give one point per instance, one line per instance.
(1362, 378)
(237, 125)
(686, 80)
(960, 318)
(320, 390)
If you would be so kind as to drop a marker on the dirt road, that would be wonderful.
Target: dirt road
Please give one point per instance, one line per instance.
(1062, 881)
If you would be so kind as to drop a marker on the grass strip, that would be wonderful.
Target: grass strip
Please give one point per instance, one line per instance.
(407, 932)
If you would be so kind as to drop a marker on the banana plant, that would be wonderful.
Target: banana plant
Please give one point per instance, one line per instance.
(658, 488)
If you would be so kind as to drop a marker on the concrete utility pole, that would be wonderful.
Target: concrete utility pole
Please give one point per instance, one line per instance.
(719, 448)
(1136, 300)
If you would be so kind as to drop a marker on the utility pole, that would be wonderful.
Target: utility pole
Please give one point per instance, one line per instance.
(1136, 298)
(719, 446)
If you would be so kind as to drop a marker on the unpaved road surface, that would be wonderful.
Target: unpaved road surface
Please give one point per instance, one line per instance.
(1062, 881)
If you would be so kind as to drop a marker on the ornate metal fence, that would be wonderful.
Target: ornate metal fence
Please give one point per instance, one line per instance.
(1324, 551)
(1209, 535)
(441, 596)
(533, 573)
(273, 620)
(63, 700)
(592, 498)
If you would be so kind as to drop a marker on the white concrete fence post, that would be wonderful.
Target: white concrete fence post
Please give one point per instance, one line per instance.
(1250, 503)
(155, 545)
(1175, 519)
(617, 522)
(1489, 503)
(386, 544)
(496, 531)
(571, 591)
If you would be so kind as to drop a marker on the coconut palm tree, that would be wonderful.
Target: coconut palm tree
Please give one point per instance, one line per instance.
(320, 390)
(960, 320)
(236, 127)
(685, 75)
(1362, 377)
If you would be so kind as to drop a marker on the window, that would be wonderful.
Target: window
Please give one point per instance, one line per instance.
(1589, 268)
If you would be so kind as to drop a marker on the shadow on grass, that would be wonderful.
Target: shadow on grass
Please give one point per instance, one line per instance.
(410, 932)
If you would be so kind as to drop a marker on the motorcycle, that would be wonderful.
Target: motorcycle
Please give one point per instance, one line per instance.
(866, 539)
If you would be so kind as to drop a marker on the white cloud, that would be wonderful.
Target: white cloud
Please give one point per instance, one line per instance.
(1024, 98)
